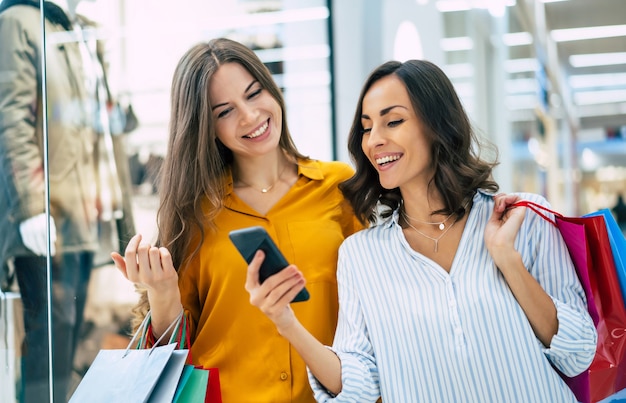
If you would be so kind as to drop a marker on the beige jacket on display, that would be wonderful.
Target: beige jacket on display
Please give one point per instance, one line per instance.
(71, 138)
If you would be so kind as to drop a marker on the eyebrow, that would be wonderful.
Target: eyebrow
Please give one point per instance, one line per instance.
(385, 111)
(246, 90)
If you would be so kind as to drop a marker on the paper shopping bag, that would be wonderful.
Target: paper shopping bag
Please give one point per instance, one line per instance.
(588, 242)
(193, 385)
(132, 375)
(170, 377)
(127, 375)
(618, 246)
(199, 385)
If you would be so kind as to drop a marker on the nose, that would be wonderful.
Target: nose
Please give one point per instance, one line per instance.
(248, 114)
(374, 138)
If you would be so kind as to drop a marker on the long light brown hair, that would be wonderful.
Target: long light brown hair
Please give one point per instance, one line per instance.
(197, 163)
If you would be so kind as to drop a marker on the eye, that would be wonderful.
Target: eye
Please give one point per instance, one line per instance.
(395, 123)
(365, 130)
(255, 93)
(224, 113)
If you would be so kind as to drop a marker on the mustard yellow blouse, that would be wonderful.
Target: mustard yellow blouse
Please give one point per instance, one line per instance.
(308, 224)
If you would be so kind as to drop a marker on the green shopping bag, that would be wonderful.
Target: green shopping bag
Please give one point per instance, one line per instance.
(193, 385)
(196, 384)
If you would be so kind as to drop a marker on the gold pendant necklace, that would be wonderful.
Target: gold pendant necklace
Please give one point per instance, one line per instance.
(270, 187)
(436, 240)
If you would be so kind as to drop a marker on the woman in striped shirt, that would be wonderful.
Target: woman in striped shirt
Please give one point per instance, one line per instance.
(451, 296)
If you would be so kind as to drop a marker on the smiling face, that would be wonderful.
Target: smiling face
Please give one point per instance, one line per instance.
(247, 117)
(394, 139)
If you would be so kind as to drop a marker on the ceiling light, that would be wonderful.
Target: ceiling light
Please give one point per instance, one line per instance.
(578, 34)
(293, 53)
(599, 97)
(597, 80)
(597, 59)
(268, 18)
(456, 44)
(517, 39)
(521, 65)
(446, 6)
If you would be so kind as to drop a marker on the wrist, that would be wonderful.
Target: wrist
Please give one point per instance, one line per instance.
(289, 328)
(168, 300)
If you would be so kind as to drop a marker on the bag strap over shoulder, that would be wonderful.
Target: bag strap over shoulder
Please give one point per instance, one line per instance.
(539, 209)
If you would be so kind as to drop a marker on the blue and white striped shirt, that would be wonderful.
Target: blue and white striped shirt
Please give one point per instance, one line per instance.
(411, 332)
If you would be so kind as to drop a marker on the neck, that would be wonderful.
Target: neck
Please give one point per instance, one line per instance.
(421, 206)
(261, 176)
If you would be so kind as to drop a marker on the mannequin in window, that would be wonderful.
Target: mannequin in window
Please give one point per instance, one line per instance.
(74, 207)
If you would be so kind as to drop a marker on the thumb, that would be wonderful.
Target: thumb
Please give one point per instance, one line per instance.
(252, 278)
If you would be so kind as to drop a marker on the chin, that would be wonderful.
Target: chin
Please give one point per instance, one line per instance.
(388, 186)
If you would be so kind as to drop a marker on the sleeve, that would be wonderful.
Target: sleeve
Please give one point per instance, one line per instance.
(573, 347)
(359, 373)
(187, 284)
(20, 153)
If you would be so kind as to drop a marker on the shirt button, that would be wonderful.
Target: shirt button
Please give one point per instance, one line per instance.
(283, 376)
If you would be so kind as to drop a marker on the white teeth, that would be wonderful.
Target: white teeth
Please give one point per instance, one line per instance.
(258, 131)
(388, 158)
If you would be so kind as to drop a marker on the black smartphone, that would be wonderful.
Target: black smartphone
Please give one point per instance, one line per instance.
(249, 240)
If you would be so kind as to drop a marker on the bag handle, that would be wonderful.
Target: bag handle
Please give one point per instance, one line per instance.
(184, 339)
(142, 331)
(539, 209)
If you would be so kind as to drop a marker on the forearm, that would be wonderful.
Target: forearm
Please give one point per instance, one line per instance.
(534, 301)
(322, 362)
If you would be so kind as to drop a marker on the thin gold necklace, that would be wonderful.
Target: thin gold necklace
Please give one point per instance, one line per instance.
(441, 224)
(435, 240)
(270, 187)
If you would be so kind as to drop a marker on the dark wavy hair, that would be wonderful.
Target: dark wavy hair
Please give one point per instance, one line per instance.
(458, 169)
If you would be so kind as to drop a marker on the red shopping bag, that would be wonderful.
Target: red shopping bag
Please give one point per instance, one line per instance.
(588, 243)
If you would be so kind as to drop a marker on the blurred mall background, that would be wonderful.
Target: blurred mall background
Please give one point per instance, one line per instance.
(544, 80)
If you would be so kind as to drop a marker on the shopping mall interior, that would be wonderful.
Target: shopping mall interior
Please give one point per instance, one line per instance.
(543, 80)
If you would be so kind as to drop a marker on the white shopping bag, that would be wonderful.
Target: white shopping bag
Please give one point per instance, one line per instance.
(133, 375)
(129, 375)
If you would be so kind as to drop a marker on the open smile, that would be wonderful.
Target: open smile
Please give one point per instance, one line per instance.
(259, 131)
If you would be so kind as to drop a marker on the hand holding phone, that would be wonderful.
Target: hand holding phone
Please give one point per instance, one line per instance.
(249, 240)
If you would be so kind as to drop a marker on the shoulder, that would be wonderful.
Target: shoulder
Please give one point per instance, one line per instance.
(333, 171)
(379, 232)
(533, 221)
(487, 197)
(337, 169)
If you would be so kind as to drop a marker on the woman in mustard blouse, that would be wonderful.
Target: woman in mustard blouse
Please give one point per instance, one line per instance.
(231, 163)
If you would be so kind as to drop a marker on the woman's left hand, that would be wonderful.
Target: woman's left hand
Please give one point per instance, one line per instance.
(502, 227)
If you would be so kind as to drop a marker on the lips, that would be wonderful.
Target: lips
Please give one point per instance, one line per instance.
(259, 131)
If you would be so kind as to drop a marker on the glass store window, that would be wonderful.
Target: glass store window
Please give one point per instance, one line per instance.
(83, 132)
